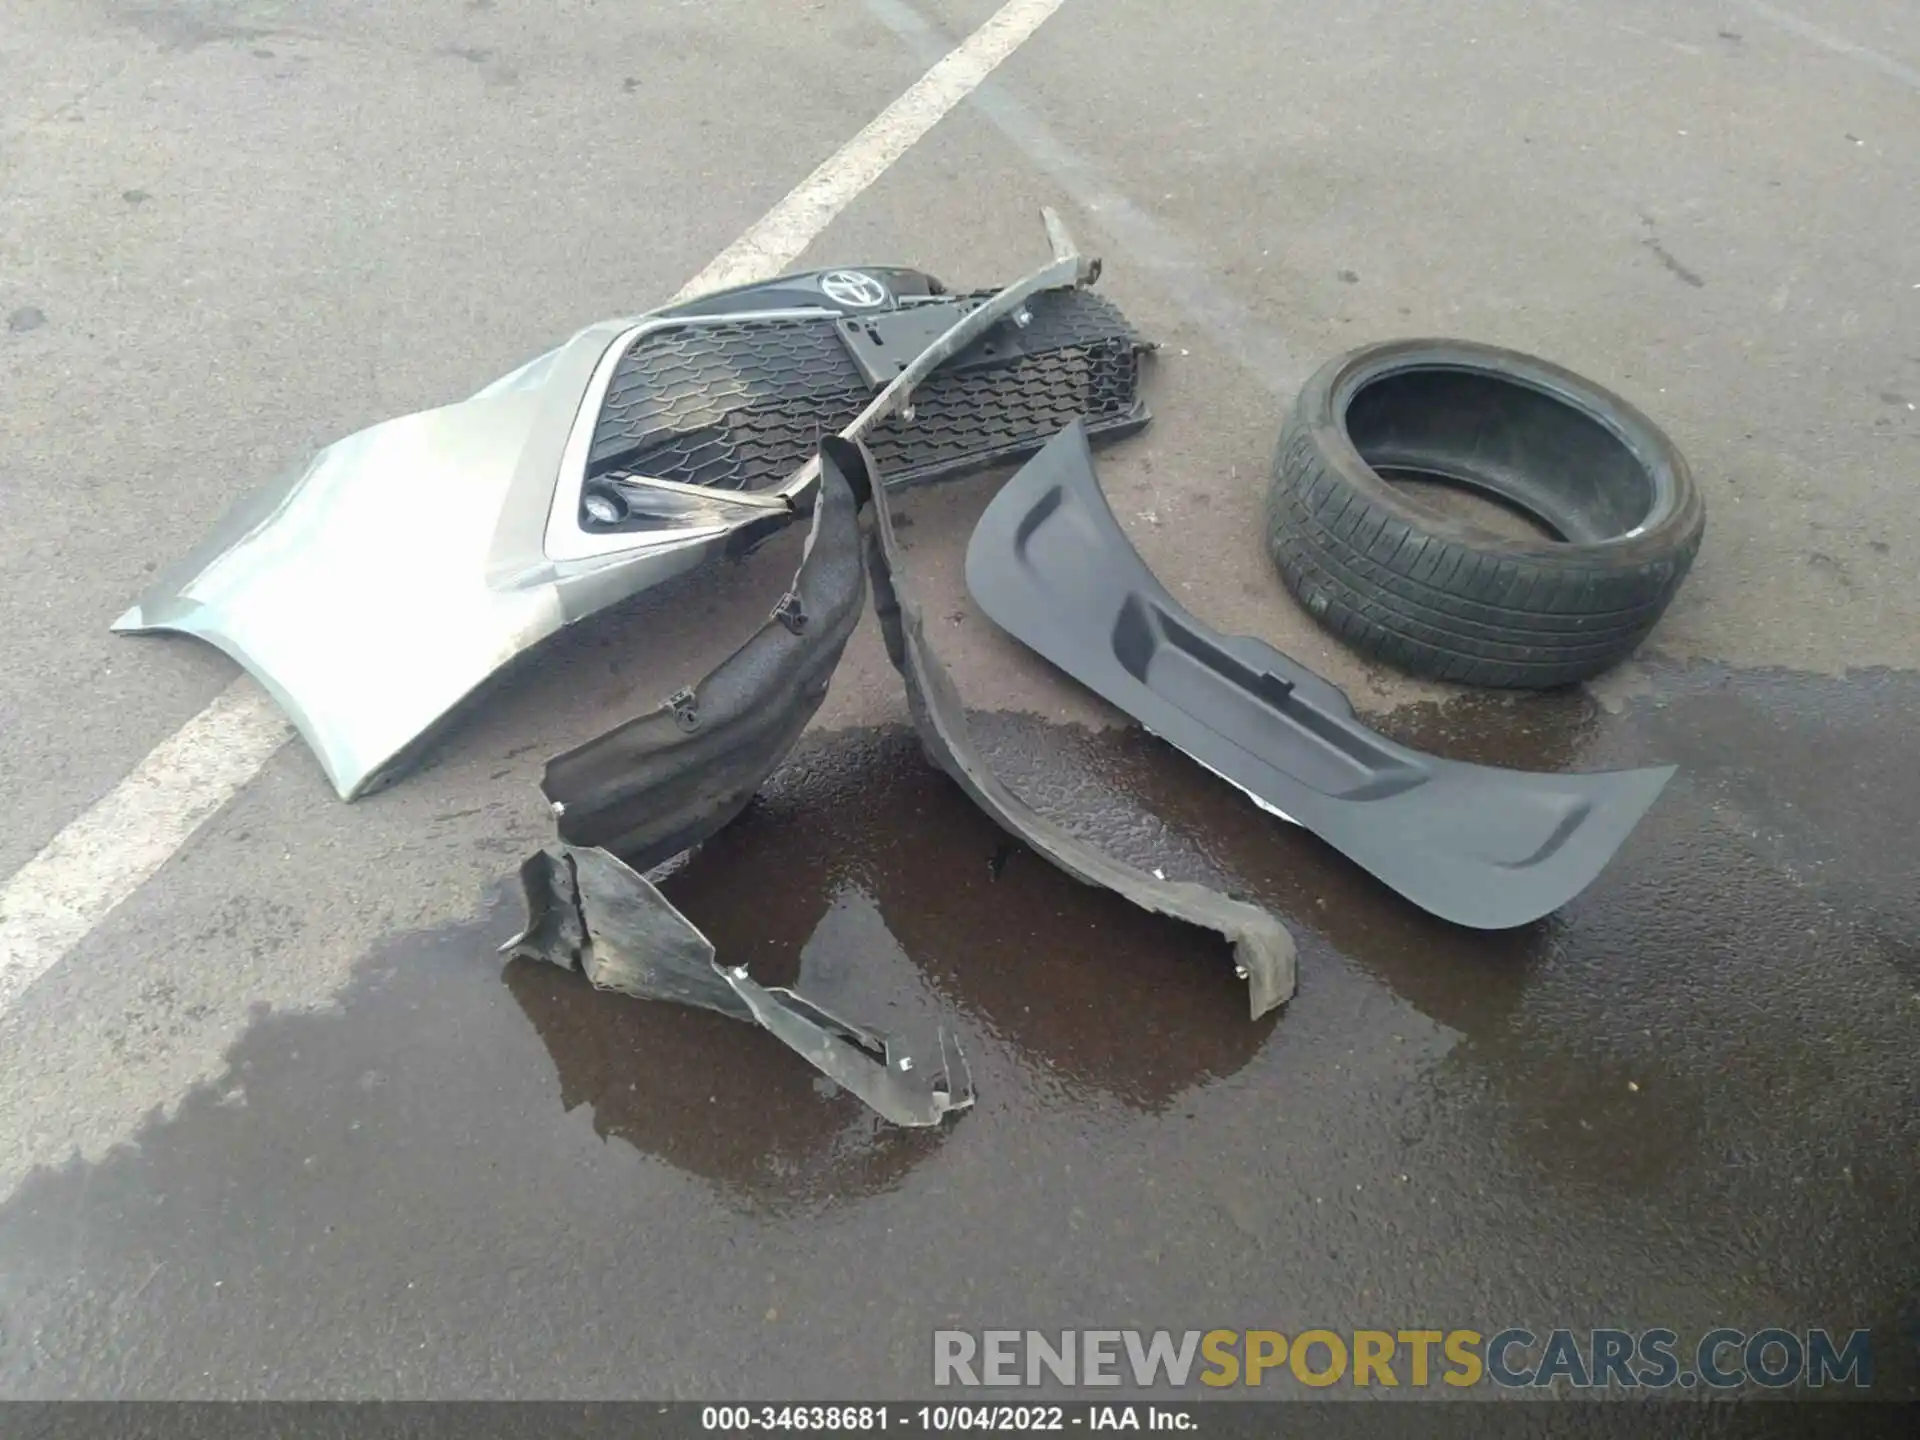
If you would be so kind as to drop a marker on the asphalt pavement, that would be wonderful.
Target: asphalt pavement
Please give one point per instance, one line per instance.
(282, 1124)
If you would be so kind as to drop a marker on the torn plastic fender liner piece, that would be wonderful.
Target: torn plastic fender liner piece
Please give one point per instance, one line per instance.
(1263, 949)
(587, 911)
(1474, 844)
(664, 781)
(661, 783)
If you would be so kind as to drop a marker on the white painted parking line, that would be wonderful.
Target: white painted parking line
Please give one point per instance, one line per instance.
(104, 856)
(787, 229)
(115, 847)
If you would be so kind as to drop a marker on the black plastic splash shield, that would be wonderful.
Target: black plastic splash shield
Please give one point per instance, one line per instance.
(587, 911)
(1474, 844)
(1263, 950)
(666, 780)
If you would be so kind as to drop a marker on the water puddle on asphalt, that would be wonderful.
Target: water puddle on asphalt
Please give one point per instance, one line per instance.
(1686, 1097)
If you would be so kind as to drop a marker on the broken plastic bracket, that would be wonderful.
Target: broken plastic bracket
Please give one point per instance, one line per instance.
(587, 911)
(651, 793)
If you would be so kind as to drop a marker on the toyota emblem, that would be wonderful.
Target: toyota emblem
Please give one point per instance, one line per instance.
(853, 288)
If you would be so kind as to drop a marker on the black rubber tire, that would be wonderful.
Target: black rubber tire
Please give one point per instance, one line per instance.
(1407, 584)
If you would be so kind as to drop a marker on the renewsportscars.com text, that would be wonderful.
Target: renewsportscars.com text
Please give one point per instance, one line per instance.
(1652, 1359)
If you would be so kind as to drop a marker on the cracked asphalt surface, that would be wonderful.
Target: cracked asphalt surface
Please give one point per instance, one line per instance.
(282, 1125)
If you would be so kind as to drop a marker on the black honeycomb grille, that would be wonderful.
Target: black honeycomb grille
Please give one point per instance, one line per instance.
(741, 405)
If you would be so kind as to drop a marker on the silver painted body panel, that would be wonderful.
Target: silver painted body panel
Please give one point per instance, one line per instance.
(375, 589)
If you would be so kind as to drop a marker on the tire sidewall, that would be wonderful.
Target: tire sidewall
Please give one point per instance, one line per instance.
(1318, 420)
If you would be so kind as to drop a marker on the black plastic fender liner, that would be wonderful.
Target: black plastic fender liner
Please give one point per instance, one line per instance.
(661, 783)
(666, 780)
(1474, 844)
(587, 911)
(1264, 953)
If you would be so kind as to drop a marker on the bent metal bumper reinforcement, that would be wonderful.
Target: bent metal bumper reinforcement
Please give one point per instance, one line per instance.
(1474, 844)
(664, 781)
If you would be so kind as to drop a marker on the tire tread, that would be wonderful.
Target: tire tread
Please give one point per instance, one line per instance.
(1434, 605)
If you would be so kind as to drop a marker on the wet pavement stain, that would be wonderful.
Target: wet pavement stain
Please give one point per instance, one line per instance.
(1686, 1099)
(713, 1098)
(1090, 992)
